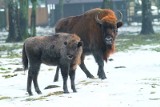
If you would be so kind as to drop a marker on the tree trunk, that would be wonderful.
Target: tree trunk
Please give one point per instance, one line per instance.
(23, 20)
(147, 27)
(61, 2)
(12, 12)
(33, 18)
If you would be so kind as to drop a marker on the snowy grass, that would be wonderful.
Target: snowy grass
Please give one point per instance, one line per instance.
(133, 78)
(129, 42)
(10, 50)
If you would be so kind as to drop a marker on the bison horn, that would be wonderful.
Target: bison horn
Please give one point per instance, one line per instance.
(120, 16)
(97, 19)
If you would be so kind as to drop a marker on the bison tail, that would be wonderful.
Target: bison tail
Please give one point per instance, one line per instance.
(24, 58)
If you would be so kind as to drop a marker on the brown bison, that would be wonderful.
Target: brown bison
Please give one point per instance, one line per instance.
(61, 49)
(98, 29)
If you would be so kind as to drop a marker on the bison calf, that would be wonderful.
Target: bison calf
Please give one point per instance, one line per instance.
(62, 49)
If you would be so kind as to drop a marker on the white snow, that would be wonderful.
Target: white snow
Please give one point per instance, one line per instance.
(133, 80)
(134, 83)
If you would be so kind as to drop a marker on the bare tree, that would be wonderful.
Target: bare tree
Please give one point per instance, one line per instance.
(23, 20)
(33, 18)
(147, 27)
(13, 16)
(61, 3)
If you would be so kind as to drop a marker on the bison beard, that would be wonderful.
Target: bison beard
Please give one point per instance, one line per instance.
(97, 28)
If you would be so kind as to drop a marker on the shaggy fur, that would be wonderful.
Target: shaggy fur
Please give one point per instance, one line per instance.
(94, 35)
(61, 49)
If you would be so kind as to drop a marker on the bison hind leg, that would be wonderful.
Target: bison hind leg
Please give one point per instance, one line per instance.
(85, 70)
(32, 76)
(29, 81)
(35, 76)
(56, 75)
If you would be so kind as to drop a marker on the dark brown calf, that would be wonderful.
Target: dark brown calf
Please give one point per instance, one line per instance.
(62, 49)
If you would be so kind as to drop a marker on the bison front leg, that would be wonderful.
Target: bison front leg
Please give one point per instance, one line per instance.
(64, 72)
(72, 78)
(101, 74)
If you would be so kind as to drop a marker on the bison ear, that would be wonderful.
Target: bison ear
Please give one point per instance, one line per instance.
(119, 24)
(65, 43)
(80, 44)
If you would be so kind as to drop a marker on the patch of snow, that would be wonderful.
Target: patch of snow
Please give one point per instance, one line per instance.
(133, 80)
(135, 85)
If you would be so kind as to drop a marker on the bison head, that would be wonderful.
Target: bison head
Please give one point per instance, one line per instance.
(109, 26)
(72, 48)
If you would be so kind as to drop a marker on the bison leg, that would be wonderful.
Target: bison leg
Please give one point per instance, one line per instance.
(101, 74)
(56, 75)
(35, 76)
(29, 82)
(32, 76)
(84, 69)
(72, 78)
(64, 72)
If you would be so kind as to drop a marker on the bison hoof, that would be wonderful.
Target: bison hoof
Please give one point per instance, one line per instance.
(39, 92)
(30, 94)
(103, 77)
(90, 76)
(66, 92)
(55, 80)
(74, 91)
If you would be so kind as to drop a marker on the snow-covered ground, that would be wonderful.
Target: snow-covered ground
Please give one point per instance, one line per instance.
(133, 80)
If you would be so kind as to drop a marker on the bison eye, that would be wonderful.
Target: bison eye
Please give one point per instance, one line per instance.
(115, 30)
(65, 43)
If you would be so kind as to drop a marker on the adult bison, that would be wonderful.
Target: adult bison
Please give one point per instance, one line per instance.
(97, 28)
(61, 49)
